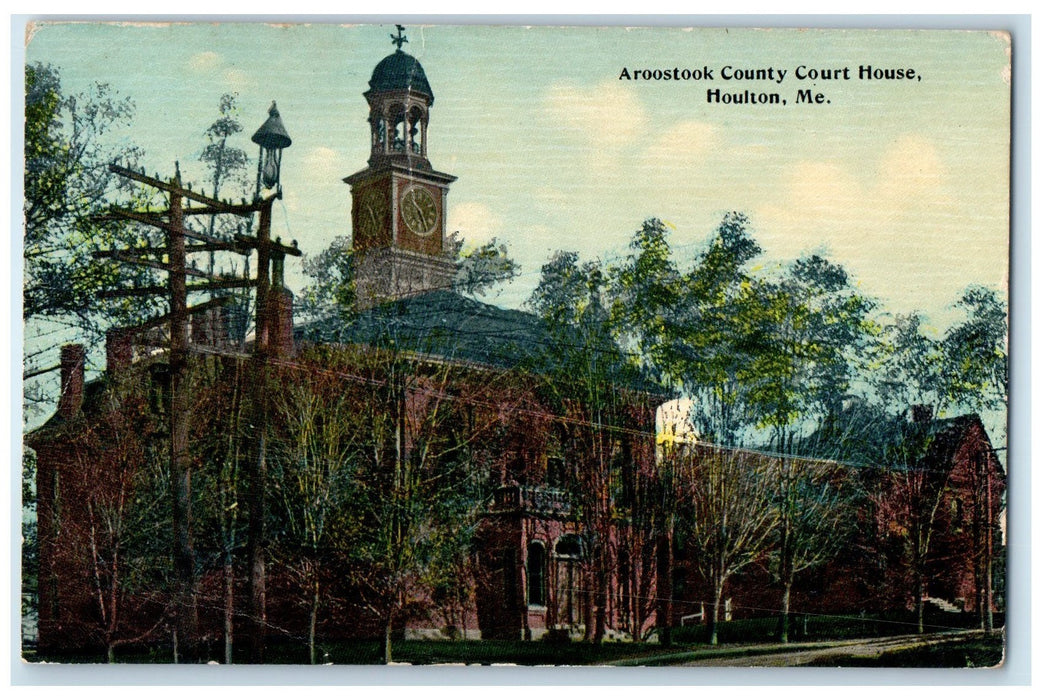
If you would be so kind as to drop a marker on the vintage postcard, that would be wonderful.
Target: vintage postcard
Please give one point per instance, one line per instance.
(432, 344)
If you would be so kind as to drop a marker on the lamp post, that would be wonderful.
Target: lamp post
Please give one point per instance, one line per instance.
(271, 138)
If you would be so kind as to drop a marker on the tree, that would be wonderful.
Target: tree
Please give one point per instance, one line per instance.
(480, 269)
(966, 369)
(228, 169)
(814, 324)
(69, 142)
(975, 360)
(118, 474)
(704, 331)
(646, 292)
(221, 405)
(314, 472)
(728, 498)
(415, 497)
(587, 379)
(719, 333)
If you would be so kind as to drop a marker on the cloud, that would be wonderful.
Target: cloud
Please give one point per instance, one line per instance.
(683, 143)
(475, 222)
(678, 152)
(237, 79)
(204, 61)
(322, 168)
(910, 169)
(891, 220)
(608, 115)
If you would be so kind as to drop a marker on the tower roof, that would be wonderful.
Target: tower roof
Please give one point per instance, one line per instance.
(400, 71)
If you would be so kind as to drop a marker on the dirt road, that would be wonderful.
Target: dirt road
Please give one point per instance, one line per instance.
(853, 647)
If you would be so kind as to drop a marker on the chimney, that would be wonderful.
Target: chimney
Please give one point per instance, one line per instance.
(280, 316)
(209, 328)
(71, 399)
(922, 413)
(119, 352)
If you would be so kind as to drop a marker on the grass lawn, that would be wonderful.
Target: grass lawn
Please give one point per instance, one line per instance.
(737, 638)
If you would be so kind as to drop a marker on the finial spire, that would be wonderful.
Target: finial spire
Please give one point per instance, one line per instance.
(400, 39)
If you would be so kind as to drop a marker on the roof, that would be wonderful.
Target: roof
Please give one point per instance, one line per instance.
(400, 71)
(448, 326)
(872, 437)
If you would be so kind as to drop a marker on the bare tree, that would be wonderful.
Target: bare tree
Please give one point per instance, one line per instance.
(730, 515)
(314, 471)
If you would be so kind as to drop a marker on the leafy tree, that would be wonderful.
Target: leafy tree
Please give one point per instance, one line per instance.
(227, 166)
(975, 360)
(588, 379)
(415, 497)
(646, 291)
(814, 324)
(331, 291)
(69, 142)
(720, 333)
(480, 269)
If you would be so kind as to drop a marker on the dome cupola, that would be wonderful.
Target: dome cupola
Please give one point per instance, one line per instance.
(399, 98)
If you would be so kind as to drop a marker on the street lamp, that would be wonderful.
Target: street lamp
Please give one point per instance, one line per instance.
(271, 138)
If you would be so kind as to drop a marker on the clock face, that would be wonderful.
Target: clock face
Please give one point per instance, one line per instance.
(419, 210)
(372, 214)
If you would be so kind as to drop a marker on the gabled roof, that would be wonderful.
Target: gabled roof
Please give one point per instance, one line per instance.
(879, 440)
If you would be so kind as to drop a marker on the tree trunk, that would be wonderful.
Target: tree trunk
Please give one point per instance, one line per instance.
(919, 600)
(110, 653)
(387, 640)
(664, 588)
(312, 624)
(783, 618)
(229, 607)
(714, 623)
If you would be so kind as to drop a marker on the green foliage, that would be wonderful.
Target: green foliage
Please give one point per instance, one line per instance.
(332, 291)
(228, 165)
(68, 147)
(975, 354)
(965, 369)
(480, 269)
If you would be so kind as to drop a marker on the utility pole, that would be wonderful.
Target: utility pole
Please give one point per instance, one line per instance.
(272, 139)
(176, 250)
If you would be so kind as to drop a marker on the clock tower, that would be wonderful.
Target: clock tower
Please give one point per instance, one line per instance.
(398, 201)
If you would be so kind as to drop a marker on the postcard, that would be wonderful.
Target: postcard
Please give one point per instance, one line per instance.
(534, 345)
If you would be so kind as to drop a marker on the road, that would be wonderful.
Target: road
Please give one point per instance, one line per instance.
(854, 647)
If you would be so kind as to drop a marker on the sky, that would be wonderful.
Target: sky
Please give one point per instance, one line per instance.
(904, 182)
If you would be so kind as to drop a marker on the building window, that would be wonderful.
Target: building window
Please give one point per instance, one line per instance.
(536, 574)
(958, 514)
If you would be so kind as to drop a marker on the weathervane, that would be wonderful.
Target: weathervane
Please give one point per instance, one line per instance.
(400, 39)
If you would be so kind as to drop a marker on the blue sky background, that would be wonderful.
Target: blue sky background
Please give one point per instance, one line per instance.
(904, 183)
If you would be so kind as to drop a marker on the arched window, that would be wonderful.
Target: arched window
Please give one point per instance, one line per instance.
(536, 573)
(416, 131)
(380, 134)
(398, 136)
(569, 547)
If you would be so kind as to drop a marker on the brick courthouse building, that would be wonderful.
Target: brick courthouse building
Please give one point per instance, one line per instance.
(571, 541)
